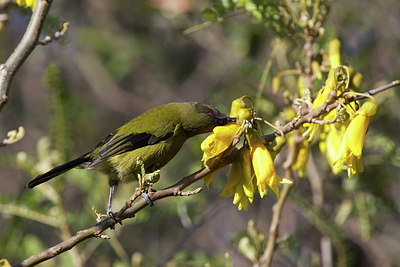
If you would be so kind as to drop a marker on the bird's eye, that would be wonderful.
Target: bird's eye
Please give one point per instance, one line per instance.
(211, 113)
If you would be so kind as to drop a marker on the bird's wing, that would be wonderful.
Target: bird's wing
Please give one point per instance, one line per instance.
(115, 145)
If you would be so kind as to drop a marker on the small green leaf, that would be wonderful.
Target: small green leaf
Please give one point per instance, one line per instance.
(209, 14)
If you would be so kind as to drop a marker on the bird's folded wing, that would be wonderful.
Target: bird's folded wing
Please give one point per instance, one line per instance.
(118, 144)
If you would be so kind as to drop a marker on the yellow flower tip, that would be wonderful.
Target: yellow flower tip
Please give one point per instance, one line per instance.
(262, 189)
(282, 180)
(368, 109)
(334, 52)
(273, 185)
(240, 199)
(236, 106)
(354, 163)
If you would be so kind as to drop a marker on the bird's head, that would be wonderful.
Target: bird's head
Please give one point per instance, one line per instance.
(200, 118)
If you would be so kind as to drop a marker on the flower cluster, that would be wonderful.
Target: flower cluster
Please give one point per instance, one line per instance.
(253, 170)
(343, 129)
(341, 133)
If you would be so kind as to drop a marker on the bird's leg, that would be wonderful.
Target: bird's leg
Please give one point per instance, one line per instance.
(109, 211)
(145, 180)
(142, 173)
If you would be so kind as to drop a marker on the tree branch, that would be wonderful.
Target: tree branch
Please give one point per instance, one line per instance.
(266, 257)
(124, 213)
(23, 49)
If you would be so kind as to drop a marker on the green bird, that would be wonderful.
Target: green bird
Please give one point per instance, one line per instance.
(145, 144)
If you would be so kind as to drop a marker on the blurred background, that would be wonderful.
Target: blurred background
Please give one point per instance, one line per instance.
(121, 58)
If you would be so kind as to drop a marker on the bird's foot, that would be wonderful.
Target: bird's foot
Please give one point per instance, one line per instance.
(111, 215)
(146, 197)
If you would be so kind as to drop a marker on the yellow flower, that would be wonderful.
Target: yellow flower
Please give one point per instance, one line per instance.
(301, 158)
(353, 140)
(334, 52)
(330, 144)
(28, 3)
(263, 165)
(219, 141)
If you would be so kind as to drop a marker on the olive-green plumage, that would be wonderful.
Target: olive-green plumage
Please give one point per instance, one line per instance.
(154, 136)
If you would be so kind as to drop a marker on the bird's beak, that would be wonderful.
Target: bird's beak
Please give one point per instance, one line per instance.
(230, 119)
(225, 119)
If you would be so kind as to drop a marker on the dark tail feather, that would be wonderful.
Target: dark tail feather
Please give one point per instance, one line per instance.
(56, 171)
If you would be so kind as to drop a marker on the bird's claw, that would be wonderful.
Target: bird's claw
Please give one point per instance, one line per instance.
(148, 200)
(112, 216)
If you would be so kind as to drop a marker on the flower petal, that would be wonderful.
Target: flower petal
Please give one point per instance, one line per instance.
(369, 109)
(233, 180)
(355, 134)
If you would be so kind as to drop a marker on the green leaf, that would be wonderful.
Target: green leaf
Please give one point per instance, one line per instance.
(208, 13)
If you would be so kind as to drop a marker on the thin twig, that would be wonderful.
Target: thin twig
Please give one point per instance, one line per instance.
(266, 258)
(23, 49)
(57, 35)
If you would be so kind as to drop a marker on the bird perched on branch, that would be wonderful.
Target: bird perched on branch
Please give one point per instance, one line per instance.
(143, 145)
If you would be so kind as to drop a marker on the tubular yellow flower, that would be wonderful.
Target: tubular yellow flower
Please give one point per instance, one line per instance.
(353, 140)
(263, 165)
(263, 168)
(333, 142)
(334, 52)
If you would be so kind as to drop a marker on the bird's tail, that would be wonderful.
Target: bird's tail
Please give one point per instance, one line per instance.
(56, 171)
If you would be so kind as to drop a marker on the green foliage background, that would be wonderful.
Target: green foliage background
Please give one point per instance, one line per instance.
(121, 58)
